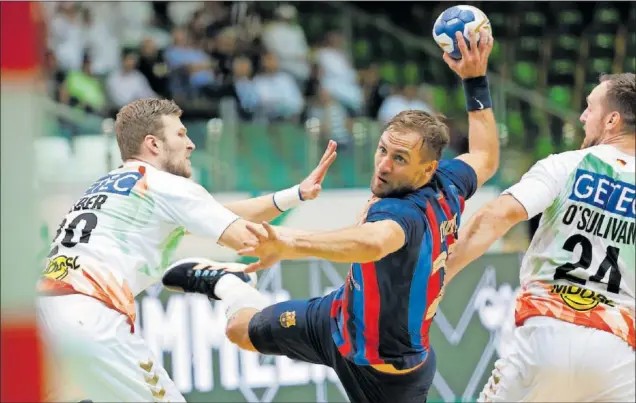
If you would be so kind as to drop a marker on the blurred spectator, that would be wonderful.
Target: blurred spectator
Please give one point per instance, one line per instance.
(53, 75)
(243, 88)
(286, 39)
(181, 12)
(217, 16)
(101, 44)
(196, 29)
(153, 66)
(84, 90)
(66, 36)
(128, 84)
(338, 75)
(312, 86)
(191, 69)
(334, 121)
(223, 53)
(375, 90)
(136, 19)
(278, 91)
(406, 99)
(162, 19)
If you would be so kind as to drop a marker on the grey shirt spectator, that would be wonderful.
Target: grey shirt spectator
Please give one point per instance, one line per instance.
(128, 84)
(286, 39)
(279, 93)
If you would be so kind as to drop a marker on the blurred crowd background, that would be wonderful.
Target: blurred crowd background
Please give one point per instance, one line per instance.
(265, 84)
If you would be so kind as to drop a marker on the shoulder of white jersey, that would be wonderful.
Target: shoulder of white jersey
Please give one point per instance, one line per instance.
(617, 159)
(561, 164)
(161, 182)
(565, 162)
(166, 183)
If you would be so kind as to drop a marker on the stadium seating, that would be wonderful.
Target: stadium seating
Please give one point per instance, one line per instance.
(557, 49)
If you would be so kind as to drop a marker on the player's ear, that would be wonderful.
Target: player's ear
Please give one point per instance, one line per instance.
(430, 167)
(613, 120)
(151, 143)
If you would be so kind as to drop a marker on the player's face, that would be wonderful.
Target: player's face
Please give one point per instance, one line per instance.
(399, 165)
(597, 118)
(176, 148)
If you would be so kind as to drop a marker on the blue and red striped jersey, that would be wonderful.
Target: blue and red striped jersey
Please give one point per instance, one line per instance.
(383, 312)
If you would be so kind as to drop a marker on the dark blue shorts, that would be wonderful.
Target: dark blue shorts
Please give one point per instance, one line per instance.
(300, 330)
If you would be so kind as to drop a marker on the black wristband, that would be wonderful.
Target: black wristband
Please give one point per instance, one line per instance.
(477, 93)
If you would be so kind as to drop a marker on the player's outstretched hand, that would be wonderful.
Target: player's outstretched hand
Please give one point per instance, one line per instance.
(312, 185)
(269, 247)
(474, 61)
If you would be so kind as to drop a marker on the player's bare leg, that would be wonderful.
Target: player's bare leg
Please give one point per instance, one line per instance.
(221, 281)
(237, 327)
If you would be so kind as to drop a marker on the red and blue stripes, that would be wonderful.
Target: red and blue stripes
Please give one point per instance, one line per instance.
(422, 288)
(359, 309)
(360, 326)
(371, 315)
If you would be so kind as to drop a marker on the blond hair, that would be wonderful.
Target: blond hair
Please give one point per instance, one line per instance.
(139, 119)
(432, 129)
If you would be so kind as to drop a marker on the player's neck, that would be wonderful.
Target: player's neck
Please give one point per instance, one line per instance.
(142, 160)
(623, 142)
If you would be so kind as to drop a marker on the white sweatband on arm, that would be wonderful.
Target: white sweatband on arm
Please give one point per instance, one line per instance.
(288, 198)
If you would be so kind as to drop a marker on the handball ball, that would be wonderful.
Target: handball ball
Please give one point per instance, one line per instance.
(464, 19)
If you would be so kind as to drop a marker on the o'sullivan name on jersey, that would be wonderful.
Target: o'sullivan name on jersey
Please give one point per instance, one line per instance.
(611, 211)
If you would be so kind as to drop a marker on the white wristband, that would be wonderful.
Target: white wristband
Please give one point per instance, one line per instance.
(288, 198)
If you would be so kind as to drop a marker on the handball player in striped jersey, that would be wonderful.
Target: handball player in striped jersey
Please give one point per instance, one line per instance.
(374, 330)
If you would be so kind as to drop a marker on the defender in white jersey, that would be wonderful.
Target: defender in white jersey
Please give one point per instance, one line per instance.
(119, 238)
(574, 339)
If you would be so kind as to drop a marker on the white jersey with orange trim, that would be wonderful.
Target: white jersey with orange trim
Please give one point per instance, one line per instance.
(121, 234)
(580, 265)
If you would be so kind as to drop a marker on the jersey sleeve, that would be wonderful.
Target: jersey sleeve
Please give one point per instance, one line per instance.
(188, 204)
(461, 174)
(541, 185)
(402, 212)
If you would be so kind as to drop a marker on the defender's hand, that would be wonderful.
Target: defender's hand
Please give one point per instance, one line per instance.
(269, 248)
(474, 61)
(312, 185)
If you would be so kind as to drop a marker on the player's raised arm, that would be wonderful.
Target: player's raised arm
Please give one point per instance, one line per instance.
(483, 141)
(268, 207)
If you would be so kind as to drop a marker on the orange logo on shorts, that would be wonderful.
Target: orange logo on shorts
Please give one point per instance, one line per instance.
(288, 319)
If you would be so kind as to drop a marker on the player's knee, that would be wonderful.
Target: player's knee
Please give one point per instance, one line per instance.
(237, 329)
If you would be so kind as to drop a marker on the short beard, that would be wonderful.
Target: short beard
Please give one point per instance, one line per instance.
(591, 143)
(178, 170)
(394, 193)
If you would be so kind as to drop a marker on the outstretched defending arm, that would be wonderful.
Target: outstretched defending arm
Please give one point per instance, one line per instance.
(476, 236)
(534, 193)
(268, 207)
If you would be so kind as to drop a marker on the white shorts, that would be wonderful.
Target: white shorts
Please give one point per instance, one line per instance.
(95, 356)
(556, 361)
